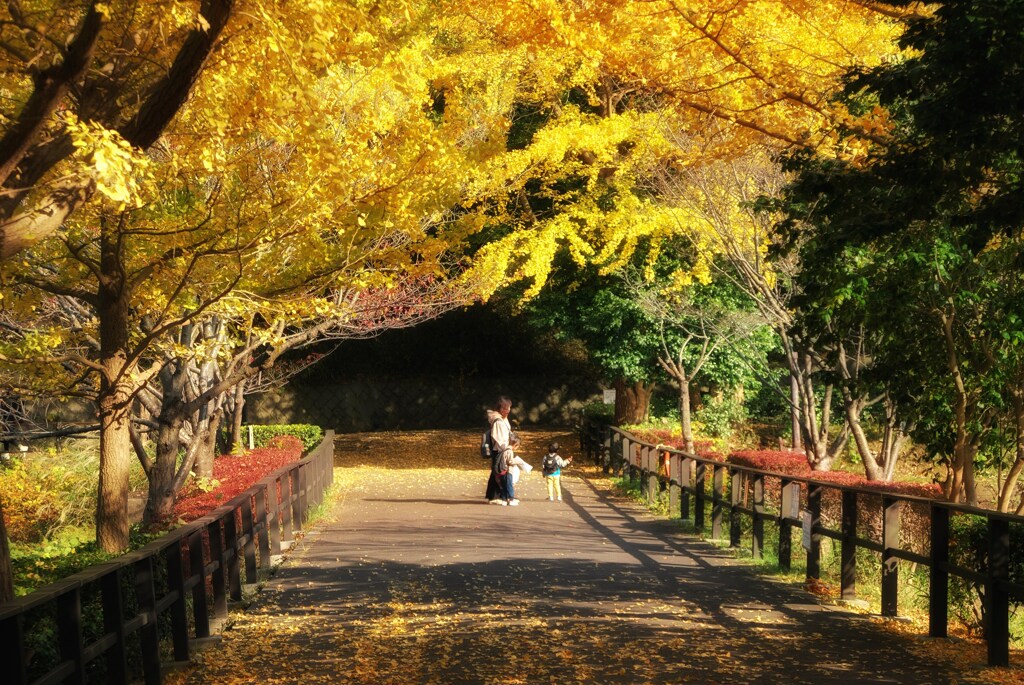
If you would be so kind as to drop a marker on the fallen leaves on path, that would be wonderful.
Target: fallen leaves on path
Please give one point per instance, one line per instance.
(585, 607)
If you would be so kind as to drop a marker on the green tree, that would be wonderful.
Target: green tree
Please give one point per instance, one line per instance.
(918, 242)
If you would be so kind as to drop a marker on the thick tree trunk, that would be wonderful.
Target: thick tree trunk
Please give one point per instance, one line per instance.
(632, 401)
(161, 497)
(207, 437)
(116, 457)
(6, 572)
(115, 397)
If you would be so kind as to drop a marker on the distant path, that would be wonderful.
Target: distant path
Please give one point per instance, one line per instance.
(417, 580)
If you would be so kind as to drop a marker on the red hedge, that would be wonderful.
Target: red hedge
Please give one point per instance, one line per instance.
(795, 464)
(237, 474)
(779, 461)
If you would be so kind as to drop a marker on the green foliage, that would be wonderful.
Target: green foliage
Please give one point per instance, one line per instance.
(46, 491)
(923, 244)
(596, 311)
(768, 400)
(969, 548)
(720, 416)
(65, 554)
(598, 412)
(309, 435)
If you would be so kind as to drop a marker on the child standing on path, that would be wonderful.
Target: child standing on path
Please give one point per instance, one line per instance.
(552, 466)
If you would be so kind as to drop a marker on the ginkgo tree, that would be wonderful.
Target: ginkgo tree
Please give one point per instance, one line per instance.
(291, 197)
(161, 156)
(633, 75)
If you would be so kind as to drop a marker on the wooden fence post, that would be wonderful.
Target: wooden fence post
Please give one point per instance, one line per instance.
(232, 558)
(814, 553)
(263, 526)
(757, 546)
(890, 564)
(848, 551)
(685, 485)
(200, 611)
(179, 607)
(997, 595)
(149, 636)
(12, 646)
(218, 577)
(249, 543)
(717, 488)
(113, 623)
(69, 632)
(736, 487)
(698, 497)
(938, 573)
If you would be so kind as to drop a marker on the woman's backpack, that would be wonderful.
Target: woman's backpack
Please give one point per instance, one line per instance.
(487, 445)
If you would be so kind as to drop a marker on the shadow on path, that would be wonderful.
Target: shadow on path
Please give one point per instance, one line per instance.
(415, 582)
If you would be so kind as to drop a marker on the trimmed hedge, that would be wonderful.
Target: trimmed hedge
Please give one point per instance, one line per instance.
(778, 461)
(262, 435)
(794, 463)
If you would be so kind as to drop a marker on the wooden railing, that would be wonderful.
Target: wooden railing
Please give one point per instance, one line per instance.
(789, 502)
(122, 621)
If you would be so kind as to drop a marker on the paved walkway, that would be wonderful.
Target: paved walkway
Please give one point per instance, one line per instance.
(415, 579)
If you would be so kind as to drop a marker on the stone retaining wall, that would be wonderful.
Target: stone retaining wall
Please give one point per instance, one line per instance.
(357, 405)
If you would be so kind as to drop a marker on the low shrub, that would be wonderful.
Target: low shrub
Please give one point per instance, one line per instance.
(787, 462)
(32, 505)
(309, 435)
(235, 474)
(720, 415)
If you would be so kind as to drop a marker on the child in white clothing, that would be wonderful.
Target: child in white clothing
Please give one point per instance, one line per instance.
(515, 465)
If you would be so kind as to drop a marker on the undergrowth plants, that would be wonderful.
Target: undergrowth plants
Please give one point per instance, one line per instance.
(49, 499)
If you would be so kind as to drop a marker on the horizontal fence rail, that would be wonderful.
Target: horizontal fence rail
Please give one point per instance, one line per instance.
(122, 621)
(793, 502)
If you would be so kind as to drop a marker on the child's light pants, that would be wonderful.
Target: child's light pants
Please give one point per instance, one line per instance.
(554, 486)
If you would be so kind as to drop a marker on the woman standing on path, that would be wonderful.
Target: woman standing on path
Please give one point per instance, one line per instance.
(501, 431)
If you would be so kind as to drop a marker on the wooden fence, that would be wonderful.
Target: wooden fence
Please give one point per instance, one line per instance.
(791, 502)
(123, 621)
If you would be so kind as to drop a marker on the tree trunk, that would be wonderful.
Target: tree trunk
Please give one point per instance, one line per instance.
(6, 572)
(161, 497)
(207, 437)
(685, 420)
(236, 416)
(814, 434)
(115, 396)
(116, 455)
(1010, 484)
(204, 452)
(794, 412)
(632, 401)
